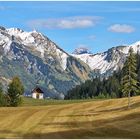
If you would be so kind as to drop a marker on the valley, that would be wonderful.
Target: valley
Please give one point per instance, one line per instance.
(69, 70)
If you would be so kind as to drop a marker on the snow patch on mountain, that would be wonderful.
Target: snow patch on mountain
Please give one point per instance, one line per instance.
(62, 58)
(24, 36)
(95, 62)
(135, 46)
(5, 42)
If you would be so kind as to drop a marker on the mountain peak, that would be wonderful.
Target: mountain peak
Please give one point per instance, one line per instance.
(18, 31)
(35, 31)
(81, 50)
(15, 30)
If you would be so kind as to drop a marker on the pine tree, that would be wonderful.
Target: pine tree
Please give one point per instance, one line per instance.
(138, 67)
(129, 80)
(3, 101)
(15, 90)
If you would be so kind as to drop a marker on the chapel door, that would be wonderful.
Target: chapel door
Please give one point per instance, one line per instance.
(37, 96)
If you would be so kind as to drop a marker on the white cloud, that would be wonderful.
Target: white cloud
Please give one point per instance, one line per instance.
(65, 23)
(121, 28)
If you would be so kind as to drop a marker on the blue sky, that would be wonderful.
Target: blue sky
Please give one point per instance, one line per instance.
(95, 25)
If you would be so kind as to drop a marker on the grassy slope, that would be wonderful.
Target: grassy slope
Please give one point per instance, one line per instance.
(94, 119)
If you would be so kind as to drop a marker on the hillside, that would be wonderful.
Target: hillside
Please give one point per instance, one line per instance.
(91, 119)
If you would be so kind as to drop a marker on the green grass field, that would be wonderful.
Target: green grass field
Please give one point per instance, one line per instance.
(33, 102)
(71, 119)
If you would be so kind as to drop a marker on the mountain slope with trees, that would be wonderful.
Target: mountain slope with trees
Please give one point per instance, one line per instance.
(110, 87)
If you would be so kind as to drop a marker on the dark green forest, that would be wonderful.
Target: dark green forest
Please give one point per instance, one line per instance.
(103, 87)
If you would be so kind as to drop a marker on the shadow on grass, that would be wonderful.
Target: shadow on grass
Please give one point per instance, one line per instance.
(96, 122)
(95, 113)
(93, 129)
(101, 132)
(124, 108)
(108, 128)
(4, 133)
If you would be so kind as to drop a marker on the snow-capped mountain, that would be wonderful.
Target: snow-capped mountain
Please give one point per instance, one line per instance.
(81, 50)
(37, 42)
(38, 60)
(107, 62)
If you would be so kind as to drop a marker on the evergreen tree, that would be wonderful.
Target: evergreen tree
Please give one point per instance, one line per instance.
(3, 99)
(138, 67)
(101, 96)
(15, 90)
(129, 80)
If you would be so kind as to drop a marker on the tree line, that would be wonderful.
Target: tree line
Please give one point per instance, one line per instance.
(123, 83)
(13, 95)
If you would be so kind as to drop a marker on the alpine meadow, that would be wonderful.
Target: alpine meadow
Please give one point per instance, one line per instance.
(69, 70)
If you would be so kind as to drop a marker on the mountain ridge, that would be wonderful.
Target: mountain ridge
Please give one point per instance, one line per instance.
(110, 60)
(38, 60)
